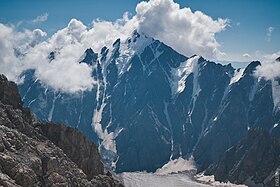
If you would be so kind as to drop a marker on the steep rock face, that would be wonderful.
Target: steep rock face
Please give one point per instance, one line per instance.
(151, 104)
(196, 105)
(9, 94)
(28, 158)
(255, 158)
(32, 163)
(76, 146)
(248, 103)
(13, 114)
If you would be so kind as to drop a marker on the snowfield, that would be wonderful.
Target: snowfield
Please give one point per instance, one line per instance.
(142, 179)
(176, 173)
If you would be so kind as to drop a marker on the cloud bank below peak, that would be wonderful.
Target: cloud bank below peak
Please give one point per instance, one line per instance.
(185, 31)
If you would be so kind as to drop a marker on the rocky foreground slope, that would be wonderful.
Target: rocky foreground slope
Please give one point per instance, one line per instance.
(35, 154)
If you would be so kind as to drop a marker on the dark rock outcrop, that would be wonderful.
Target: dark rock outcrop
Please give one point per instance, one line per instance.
(76, 146)
(255, 159)
(9, 94)
(90, 57)
(29, 158)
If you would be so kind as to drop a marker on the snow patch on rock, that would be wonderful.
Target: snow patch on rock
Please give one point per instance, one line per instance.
(180, 74)
(237, 76)
(211, 181)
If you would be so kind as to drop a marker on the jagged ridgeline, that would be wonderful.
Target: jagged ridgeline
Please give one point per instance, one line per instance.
(36, 154)
(151, 104)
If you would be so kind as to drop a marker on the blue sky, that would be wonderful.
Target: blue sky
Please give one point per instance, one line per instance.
(247, 33)
(254, 16)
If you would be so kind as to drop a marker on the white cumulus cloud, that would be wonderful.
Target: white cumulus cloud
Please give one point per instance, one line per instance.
(64, 73)
(270, 68)
(186, 31)
(269, 71)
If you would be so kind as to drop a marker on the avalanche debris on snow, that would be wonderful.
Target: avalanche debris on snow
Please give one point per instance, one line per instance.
(177, 165)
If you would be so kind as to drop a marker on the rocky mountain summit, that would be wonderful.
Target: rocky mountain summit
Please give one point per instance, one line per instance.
(35, 154)
(151, 104)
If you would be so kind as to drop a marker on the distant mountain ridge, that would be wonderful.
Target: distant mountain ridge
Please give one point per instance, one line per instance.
(152, 104)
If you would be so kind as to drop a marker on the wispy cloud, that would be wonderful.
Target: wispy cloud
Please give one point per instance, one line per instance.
(41, 18)
(269, 31)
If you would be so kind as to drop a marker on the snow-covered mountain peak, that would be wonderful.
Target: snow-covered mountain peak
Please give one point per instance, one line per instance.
(151, 105)
(122, 51)
(137, 42)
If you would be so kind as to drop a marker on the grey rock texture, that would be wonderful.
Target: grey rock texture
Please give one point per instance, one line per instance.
(76, 146)
(29, 158)
(256, 157)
